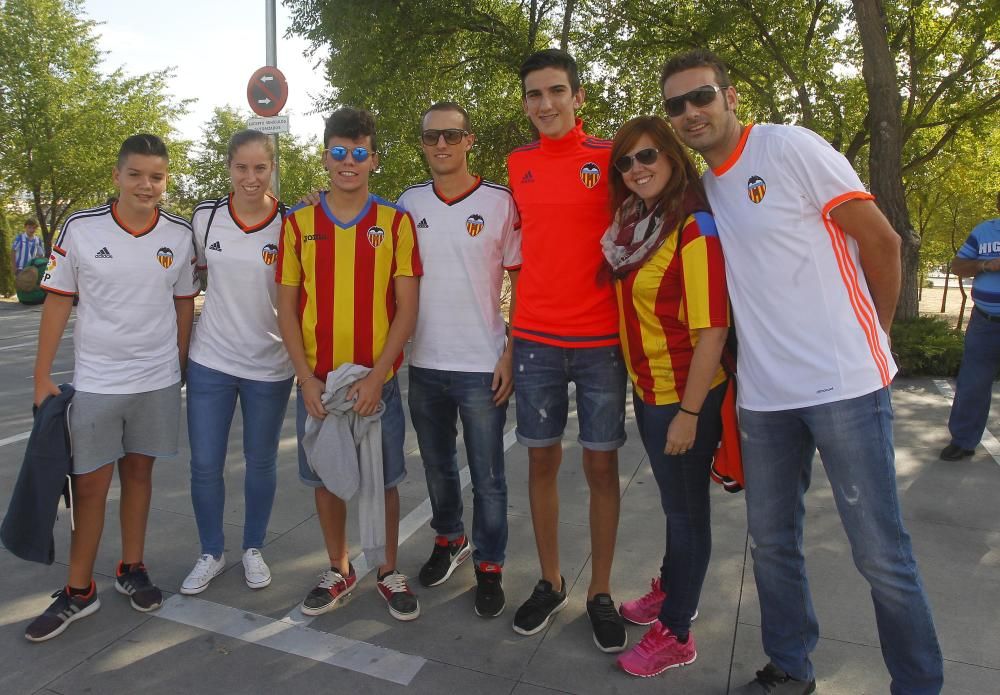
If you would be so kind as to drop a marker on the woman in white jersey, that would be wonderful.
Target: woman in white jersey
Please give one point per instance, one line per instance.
(670, 282)
(236, 352)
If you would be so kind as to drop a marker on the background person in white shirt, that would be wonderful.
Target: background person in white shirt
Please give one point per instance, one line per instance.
(813, 270)
(133, 265)
(237, 353)
(460, 364)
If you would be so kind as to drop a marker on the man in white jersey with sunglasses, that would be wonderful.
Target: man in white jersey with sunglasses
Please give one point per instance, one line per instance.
(461, 361)
(813, 269)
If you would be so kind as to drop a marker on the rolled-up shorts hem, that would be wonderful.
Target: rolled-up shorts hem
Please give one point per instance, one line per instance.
(319, 483)
(536, 443)
(603, 446)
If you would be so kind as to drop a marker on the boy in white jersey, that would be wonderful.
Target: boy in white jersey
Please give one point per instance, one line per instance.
(133, 266)
(460, 365)
(813, 270)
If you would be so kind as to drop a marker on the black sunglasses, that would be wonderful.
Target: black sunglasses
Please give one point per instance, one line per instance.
(452, 136)
(646, 156)
(703, 96)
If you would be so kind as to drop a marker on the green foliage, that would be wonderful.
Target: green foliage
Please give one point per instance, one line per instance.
(61, 120)
(207, 176)
(6, 239)
(926, 346)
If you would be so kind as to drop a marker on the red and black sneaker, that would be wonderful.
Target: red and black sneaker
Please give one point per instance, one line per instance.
(446, 556)
(403, 603)
(333, 587)
(490, 599)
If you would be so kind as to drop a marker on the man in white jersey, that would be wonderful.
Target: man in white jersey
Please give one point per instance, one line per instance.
(813, 269)
(133, 265)
(460, 363)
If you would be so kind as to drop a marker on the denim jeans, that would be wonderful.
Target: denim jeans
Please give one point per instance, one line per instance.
(974, 386)
(211, 402)
(683, 481)
(542, 374)
(854, 439)
(437, 400)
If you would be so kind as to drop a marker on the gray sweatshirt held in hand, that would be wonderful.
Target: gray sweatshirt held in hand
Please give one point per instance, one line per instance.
(344, 449)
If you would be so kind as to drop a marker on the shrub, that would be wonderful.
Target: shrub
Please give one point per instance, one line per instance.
(926, 346)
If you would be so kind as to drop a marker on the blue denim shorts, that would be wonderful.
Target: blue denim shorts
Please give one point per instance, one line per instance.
(542, 374)
(393, 434)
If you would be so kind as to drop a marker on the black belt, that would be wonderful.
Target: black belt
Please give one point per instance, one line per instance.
(988, 317)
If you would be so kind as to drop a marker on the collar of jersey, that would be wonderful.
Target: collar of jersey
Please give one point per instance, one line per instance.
(567, 143)
(734, 156)
(249, 229)
(461, 196)
(345, 225)
(132, 232)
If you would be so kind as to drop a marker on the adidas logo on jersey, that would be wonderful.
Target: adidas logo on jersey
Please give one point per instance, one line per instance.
(103, 253)
(422, 224)
(216, 246)
(528, 178)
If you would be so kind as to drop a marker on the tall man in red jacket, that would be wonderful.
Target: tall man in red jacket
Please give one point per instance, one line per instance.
(565, 330)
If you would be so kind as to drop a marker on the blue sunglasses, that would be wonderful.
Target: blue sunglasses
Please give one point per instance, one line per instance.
(339, 153)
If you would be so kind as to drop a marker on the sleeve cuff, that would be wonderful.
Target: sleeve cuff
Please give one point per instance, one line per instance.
(843, 198)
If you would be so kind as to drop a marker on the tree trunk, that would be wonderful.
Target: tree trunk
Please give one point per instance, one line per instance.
(567, 22)
(944, 295)
(885, 153)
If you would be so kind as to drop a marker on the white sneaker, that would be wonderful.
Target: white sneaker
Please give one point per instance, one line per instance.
(255, 570)
(205, 570)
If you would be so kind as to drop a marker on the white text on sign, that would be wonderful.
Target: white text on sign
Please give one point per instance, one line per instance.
(271, 125)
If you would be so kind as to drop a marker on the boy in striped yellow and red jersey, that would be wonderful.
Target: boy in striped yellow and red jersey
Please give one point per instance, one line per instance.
(347, 294)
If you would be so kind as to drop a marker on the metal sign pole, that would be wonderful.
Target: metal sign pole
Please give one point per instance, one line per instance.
(272, 60)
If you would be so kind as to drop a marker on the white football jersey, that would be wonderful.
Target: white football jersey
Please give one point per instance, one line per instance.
(807, 328)
(125, 339)
(237, 332)
(465, 243)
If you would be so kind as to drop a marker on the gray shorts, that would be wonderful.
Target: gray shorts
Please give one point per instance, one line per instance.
(106, 426)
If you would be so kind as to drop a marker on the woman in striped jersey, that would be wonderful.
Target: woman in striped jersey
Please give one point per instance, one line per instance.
(236, 352)
(670, 282)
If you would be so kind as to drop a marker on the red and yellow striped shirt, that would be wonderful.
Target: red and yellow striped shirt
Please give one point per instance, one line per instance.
(344, 272)
(664, 303)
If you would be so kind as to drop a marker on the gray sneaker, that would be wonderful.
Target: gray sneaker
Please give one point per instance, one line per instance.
(773, 681)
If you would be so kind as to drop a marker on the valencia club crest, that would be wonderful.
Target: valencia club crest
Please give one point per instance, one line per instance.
(375, 236)
(756, 188)
(590, 174)
(165, 257)
(269, 253)
(474, 224)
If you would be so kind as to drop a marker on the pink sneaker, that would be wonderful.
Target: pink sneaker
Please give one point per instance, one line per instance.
(645, 609)
(657, 651)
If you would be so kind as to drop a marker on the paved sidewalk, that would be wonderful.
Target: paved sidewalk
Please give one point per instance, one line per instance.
(232, 639)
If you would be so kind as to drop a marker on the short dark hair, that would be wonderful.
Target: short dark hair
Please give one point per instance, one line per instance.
(142, 143)
(31, 222)
(245, 137)
(448, 106)
(551, 58)
(347, 122)
(698, 58)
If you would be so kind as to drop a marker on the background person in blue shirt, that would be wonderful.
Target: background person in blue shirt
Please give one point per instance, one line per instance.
(979, 257)
(26, 246)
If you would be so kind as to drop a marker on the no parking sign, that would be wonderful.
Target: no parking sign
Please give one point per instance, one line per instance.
(267, 91)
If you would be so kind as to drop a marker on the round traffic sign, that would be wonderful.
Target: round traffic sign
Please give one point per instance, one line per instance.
(267, 91)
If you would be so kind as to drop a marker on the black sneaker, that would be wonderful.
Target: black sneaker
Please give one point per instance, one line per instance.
(773, 681)
(608, 624)
(64, 610)
(953, 452)
(544, 602)
(446, 556)
(490, 600)
(134, 583)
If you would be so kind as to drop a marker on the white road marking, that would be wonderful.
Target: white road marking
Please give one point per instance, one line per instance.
(19, 345)
(306, 642)
(989, 442)
(16, 438)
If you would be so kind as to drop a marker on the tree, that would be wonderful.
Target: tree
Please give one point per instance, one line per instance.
(207, 175)
(61, 120)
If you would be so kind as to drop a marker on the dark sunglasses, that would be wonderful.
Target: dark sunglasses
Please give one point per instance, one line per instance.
(339, 153)
(452, 136)
(703, 96)
(646, 156)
